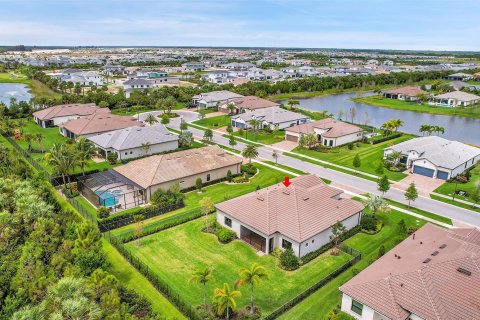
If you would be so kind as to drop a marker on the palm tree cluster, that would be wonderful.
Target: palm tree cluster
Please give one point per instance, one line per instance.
(391, 126)
(429, 129)
(224, 299)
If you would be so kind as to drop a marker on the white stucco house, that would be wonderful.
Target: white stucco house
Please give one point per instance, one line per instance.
(299, 216)
(214, 98)
(435, 157)
(57, 115)
(455, 99)
(135, 142)
(269, 118)
(329, 132)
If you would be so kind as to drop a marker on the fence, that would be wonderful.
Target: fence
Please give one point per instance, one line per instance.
(322, 282)
(58, 181)
(81, 209)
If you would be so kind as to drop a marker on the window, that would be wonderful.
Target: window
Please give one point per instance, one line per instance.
(126, 153)
(306, 244)
(228, 222)
(313, 240)
(208, 177)
(131, 152)
(286, 244)
(357, 307)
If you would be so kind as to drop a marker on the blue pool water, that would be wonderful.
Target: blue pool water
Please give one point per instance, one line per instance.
(109, 198)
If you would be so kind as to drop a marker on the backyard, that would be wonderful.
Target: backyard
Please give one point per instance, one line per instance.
(176, 253)
(370, 156)
(319, 304)
(380, 101)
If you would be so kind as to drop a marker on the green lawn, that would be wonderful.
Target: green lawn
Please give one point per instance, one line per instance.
(174, 254)
(36, 87)
(130, 111)
(421, 212)
(218, 193)
(379, 101)
(448, 188)
(281, 166)
(327, 298)
(128, 276)
(263, 136)
(370, 156)
(51, 136)
(454, 203)
(213, 122)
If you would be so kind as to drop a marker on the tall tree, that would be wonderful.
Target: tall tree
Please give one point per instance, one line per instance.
(251, 277)
(225, 300)
(208, 135)
(357, 162)
(250, 152)
(411, 194)
(383, 184)
(151, 119)
(85, 152)
(338, 229)
(376, 203)
(202, 276)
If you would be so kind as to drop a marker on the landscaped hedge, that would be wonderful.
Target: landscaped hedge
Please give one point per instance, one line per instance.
(386, 138)
(208, 183)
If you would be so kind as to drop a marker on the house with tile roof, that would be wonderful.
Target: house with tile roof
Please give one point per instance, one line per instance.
(329, 132)
(247, 104)
(435, 157)
(214, 98)
(434, 274)
(184, 167)
(56, 115)
(299, 216)
(135, 142)
(455, 99)
(97, 123)
(404, 93)
(269, 118)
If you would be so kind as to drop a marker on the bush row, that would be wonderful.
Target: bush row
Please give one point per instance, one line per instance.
(385, 138)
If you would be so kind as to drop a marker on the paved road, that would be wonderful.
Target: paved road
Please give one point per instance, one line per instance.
(343, 180)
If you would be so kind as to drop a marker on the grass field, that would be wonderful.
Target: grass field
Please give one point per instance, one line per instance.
(213, 122)
(370, 156)
(36, 87)
(327, 298)
(218, 192)
(448, 188)
(140, 109)
(262, 136)
(176, 253)
(455, 203)
(379, 101)
(421, 212)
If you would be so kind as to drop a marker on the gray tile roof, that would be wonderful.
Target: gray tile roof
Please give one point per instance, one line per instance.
(271, 115)
(134, 137)
(439, 151)
(217, 96)
(458, 95)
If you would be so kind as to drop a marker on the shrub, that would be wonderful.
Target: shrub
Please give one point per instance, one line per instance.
(198, 184)
(240, 180)
(226, 235)
(350, 146)
(229, 176)
(369, 223)
(277, 252)
(161, 198)
(103, 212)
(248, 170)
(411, 230)
(288, 260)
(355, 271)
(112, 157)
(381, 251)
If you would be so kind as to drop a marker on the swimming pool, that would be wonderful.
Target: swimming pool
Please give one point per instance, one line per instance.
(109, 198)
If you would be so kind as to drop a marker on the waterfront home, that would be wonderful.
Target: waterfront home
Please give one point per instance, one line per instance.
(299, 216)
(134, 142)
(272, 118)
(433, 274)
(435, 157)
(246, 104)
(56, 115)
(455, 99)
(404, 93)
(329, 132)
(213, 99)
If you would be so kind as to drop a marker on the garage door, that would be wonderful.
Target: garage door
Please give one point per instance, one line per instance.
(291, 138)
(423, 171)
(442, 175)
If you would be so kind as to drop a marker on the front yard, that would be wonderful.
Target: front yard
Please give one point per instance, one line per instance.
(176, 253)
(262, 136)
(213, 122)
(370, 156)
(448, 188)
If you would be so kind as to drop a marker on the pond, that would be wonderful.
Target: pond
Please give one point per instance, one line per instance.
(14, 90)
(462, 129)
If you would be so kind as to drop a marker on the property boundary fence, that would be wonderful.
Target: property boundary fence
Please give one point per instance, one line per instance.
(322, 282)
(81, 209)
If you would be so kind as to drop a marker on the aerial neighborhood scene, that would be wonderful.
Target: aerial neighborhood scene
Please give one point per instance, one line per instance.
(165, 160)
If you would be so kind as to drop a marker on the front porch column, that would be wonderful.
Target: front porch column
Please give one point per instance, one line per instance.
(266, 245)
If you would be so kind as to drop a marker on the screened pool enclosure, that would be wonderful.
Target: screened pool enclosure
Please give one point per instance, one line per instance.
(112, 190)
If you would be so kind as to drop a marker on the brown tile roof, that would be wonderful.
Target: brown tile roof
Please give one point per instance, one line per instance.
(408, 91)
(100, 121)
(162, 168)
(299, 211)
(335, 128)
(253, 103)
(421, 276)
(63, 110)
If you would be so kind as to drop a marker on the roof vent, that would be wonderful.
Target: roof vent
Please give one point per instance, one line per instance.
(464, 271)
(427, 260)
(305, 198)
(443, 246)
(287, 192)
(260, 198)
(435, 253)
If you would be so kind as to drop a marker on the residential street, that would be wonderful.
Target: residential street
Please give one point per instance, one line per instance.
(341, 180)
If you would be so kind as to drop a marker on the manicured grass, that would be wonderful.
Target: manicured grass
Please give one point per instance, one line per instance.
(370, 156)
(176, 253)
(455, 203)
(50, 137)
(218, 193)
(380, 101)
(87, 206)
(421, 212)
(128, 276)
(281, 166)
(130, 111)
(213, 122)
(36, 87)
(448, 188)
(262, 136)
(327, 298)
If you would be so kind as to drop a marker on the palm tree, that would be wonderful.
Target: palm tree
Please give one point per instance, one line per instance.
(376, 203)
(146, 147)
(293, 103)
(251, 277)
(225, 299)
(29, 138)
(231, 107)
(250, 152)
(395, 156)
(57, 159)
(255, 124)
(151, 119)
(85, 152)
(202, 276)
(39, 139)
(183, 126)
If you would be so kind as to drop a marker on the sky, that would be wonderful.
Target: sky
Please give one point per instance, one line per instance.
(367, 24)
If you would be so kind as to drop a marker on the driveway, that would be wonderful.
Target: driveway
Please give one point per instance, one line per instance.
(425, 185)
(285, 145)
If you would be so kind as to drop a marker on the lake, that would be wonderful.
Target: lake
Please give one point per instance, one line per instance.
(462, 129)
(14, 90)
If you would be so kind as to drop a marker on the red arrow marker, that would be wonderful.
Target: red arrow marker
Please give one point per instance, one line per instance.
(287, 182)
